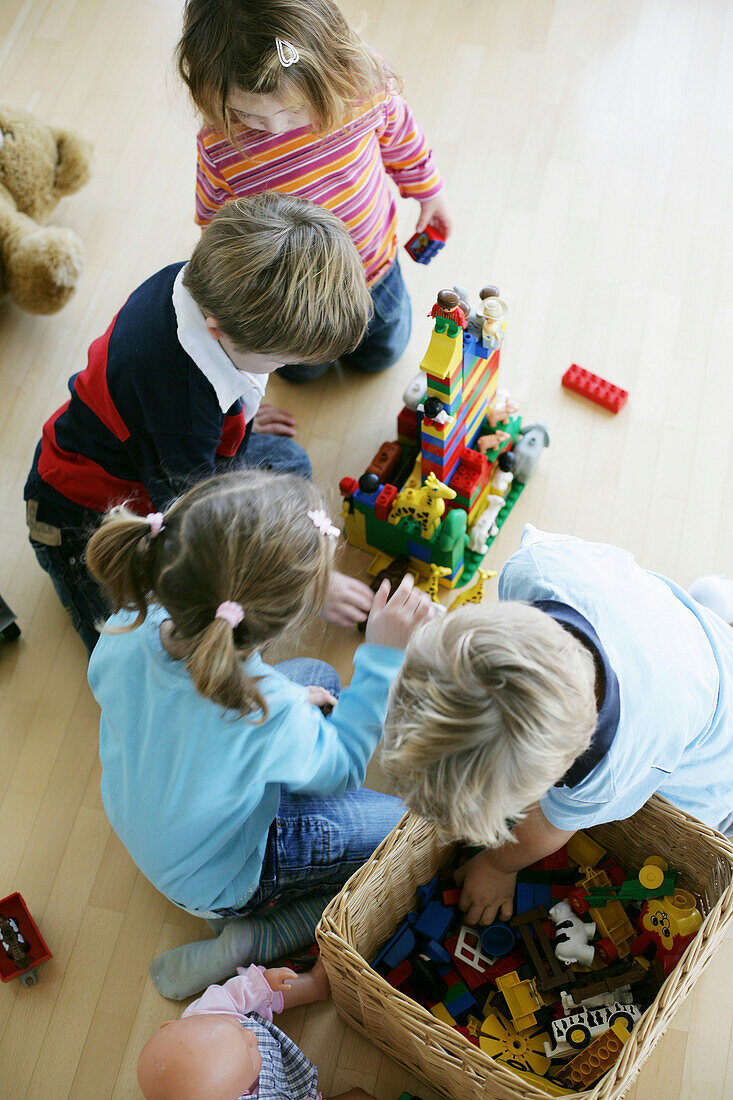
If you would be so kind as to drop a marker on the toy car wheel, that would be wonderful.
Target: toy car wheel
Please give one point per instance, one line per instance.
(606, 950)
(578, 1036)
(625, 1017)
(576, 897)
(11, 632)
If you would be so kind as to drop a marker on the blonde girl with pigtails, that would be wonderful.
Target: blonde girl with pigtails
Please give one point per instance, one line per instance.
(231, 789)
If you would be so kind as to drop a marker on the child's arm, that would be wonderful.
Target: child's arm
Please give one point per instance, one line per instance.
(408, 159)
(300, 989)
(332, 753)
(211, 190)
(489, 878)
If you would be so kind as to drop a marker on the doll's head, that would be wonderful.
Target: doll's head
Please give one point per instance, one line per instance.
(200, 1057)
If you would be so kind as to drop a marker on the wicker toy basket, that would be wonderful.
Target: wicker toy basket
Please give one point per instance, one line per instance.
(377, 898)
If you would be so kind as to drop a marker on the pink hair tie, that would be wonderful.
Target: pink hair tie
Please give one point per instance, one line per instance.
(322, 522)
(155, 519)
(231, 612)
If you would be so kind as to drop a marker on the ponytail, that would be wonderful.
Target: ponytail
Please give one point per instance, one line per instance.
(216, 666)
(119, 554)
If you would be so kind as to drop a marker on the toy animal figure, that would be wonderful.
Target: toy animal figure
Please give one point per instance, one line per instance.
(432, 584)
(415, 391)
(502, 409)
(425, 504)
(670, 924)
(528, 450)
(15, 946)
(475, 593)
(492, 442)
(572, 936)
(485, 525)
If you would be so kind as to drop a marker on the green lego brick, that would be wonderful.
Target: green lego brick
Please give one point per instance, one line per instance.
(632, 890)
(472, 560)
(392, 538)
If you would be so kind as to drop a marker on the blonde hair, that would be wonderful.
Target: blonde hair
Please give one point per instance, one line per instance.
(491, 707)
(230, 44)
(244, 537)
(281, 276)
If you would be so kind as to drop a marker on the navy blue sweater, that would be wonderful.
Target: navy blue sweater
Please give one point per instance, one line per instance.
(142, 423)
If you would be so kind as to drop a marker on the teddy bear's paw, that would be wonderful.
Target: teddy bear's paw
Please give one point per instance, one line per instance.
(44, 269)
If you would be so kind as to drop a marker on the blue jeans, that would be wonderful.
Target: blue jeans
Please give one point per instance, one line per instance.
(82, 597)
(316, 844)
(386, 337)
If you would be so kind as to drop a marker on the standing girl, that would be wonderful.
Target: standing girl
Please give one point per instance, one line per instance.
(294, 102)
(228, 786)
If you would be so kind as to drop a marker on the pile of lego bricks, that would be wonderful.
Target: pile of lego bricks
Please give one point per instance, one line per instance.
(548, 994)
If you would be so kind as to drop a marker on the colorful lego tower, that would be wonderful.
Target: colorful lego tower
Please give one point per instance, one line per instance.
(421, 494)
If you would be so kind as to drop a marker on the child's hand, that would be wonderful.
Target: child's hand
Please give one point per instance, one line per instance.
(271, 421)
(486, 890)
(436, 212)
(319, 697)
(277, 979)
(392, 621)
(348, 601)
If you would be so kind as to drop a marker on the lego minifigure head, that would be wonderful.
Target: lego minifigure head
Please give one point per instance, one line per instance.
(493, 309)
(200, 1057)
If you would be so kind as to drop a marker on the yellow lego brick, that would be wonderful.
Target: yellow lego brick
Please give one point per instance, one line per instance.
(441, 1013)
(478, 505)
(355, 529)
(444, 354)
(414, 481)
(597, 1058)
(379, 562)
(585, 851)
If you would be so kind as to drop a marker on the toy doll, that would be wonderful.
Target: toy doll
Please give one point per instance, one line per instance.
(225, 1045)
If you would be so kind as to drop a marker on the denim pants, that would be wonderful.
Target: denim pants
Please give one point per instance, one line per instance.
(77, 589)
(316, 844)
(386, 337)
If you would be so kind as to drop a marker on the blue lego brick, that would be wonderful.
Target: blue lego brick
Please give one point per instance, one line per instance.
(434, 921)
(400, 946)
(473, 346)
(460, 1003)
(367, 499)
(426, 892)
(436, 952)
(530, 895)
(415, 550)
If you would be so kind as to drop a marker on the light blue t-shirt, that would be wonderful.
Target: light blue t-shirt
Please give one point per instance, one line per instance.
(674, 664)
(191, 789)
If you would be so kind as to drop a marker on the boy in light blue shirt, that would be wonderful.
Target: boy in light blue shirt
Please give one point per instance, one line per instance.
(590, 685)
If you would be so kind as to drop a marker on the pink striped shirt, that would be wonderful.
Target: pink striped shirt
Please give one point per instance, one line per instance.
(345, 171)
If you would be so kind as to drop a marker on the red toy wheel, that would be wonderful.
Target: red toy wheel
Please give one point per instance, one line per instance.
(606, 950)
(576, 897)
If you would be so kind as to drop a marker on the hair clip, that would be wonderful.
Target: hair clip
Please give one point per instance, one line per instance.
(322, 522)
(231, 612)
(287, 54)
(155, 519)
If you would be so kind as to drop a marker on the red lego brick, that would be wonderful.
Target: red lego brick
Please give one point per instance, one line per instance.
(348, 486)
(464, 481)
(471, 977)
(594, 387)
(407, 424)
(385, 500)
(423, 246)
(452, 896)
(474, 460)
(505, 965)
(466, 1034)
(558, 861)
(400, 974)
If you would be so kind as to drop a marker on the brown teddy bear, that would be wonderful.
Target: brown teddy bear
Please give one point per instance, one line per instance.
(39, 267)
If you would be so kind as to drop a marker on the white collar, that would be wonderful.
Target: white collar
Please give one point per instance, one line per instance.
(229, 383)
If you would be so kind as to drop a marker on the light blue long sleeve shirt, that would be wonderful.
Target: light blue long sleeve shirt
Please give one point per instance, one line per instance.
(191, 789)
(674, 664)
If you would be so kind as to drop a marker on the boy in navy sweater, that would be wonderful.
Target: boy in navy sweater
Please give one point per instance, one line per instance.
(171, 389)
